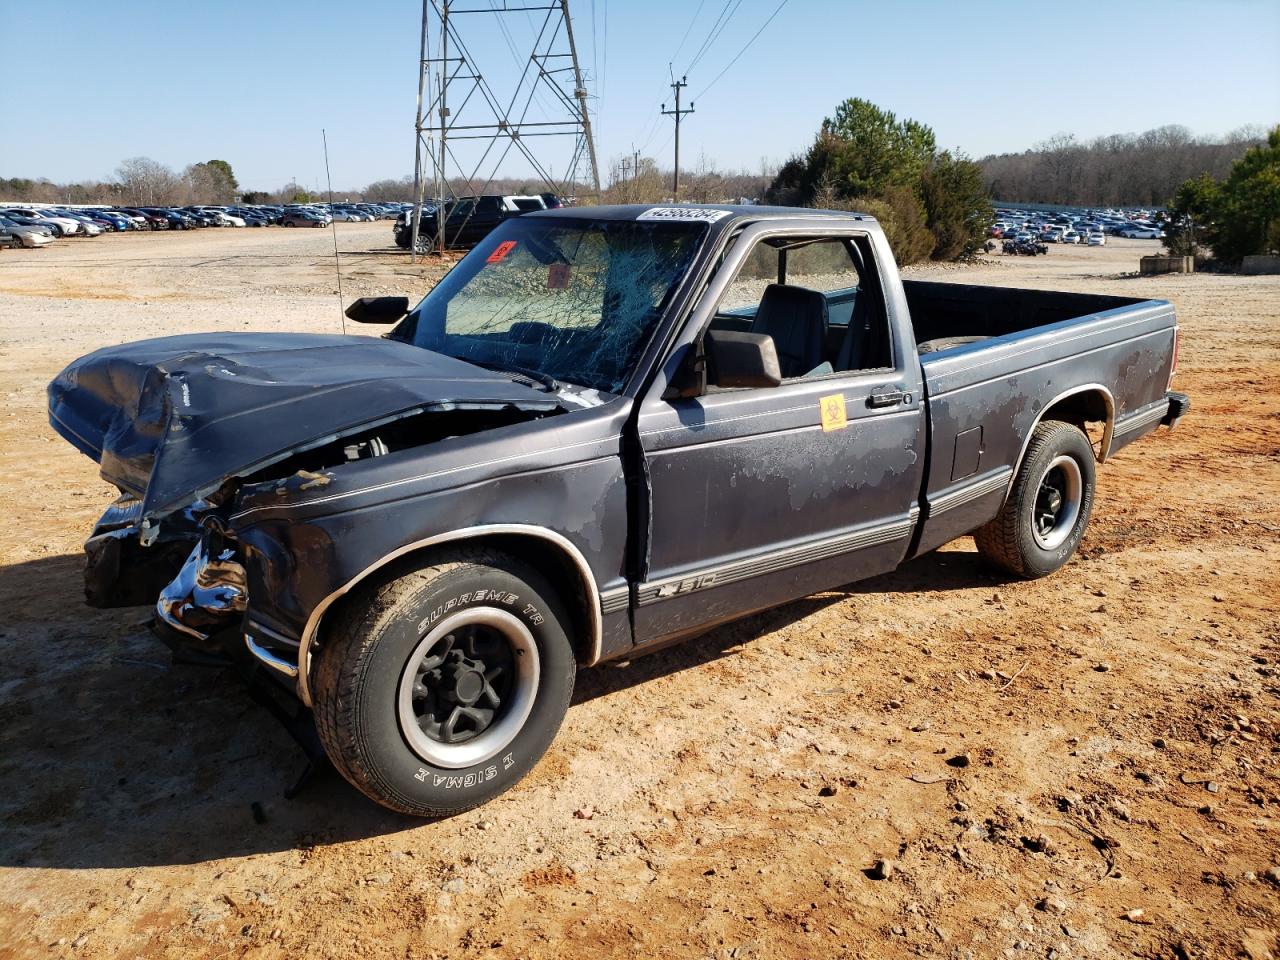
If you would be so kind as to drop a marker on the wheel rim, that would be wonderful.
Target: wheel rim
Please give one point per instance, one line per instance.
(1057, 504)
(468, 687)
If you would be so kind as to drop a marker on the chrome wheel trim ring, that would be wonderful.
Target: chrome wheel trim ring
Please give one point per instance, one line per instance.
(1068, 512)
(496, 738)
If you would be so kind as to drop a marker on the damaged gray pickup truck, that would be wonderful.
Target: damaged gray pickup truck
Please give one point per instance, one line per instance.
(604, 430)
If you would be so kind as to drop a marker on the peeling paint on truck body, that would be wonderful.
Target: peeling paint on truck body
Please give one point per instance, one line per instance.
(656, 517)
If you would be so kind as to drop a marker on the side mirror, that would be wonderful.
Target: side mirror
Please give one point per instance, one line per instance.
(741, 359)
(378, 309)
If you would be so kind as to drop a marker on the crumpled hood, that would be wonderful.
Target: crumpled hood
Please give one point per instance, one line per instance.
(171, 419)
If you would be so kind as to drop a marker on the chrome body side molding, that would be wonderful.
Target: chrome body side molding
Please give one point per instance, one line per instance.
(774, 561)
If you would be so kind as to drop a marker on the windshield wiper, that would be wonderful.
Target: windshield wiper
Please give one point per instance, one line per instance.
(551, 384)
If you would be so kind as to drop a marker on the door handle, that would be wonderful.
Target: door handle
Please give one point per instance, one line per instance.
(887, 397)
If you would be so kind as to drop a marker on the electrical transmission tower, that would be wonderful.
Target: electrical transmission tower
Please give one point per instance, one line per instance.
(465, 129)
(677, 86)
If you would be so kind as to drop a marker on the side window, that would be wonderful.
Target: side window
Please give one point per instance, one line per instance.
(742, 297)
(811, 297)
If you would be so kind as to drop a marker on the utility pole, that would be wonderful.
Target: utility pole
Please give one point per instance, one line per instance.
(677, 86)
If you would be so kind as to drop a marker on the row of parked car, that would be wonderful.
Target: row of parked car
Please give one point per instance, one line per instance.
(1091, 227)
(32, 226)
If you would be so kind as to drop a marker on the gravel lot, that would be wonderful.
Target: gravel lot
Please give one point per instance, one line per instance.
(1119, 721)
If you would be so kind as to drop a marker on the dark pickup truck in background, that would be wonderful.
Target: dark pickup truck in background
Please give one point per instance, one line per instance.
(468, 220)
(604, 430)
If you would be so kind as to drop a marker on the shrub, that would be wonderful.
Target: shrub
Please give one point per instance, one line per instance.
(956, 206)
(903, 221)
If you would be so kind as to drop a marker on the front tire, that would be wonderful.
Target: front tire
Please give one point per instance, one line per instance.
(439, 689)
(1045, 515)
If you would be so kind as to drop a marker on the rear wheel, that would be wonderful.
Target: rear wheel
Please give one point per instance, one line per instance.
(1045, 515)
(439, 689)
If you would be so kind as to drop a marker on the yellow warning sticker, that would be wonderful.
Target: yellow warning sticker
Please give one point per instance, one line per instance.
(833, 414)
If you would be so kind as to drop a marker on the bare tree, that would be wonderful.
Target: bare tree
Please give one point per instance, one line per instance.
(400, 190)
(147, 182)
(1116, 170)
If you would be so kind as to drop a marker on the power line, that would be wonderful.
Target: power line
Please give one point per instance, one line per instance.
(689, 29)
(744, 49)
(716, 29)
(716, 23)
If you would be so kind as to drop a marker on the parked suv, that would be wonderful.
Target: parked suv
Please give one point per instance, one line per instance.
(469, 220)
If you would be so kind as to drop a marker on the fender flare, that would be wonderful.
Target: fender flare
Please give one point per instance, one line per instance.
(589, 585)
(1104, 449)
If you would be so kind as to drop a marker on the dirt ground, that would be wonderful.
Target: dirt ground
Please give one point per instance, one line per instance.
(1119, 720)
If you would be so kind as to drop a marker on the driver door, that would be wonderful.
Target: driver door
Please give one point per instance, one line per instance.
(762, 495)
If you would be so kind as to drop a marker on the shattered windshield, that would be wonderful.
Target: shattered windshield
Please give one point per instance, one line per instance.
(570, 299)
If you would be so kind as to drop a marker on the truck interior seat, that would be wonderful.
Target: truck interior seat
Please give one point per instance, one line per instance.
(796, 319)
(855, 345)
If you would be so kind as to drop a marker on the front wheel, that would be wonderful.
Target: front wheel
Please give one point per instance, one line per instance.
(1045, 515)
(441, 688)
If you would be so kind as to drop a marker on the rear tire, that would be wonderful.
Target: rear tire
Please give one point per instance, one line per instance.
(439, 689)
(1045, 515)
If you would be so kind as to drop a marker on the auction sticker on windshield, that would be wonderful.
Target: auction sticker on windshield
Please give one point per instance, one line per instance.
(500, 251)
(694, 214)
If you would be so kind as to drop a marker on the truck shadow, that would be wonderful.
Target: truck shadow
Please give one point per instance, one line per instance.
(112, 757)
(932, 573)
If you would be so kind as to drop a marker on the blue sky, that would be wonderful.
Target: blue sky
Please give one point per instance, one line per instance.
(254, 82)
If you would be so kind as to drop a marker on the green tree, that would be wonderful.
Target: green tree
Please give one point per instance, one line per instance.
(871, 149)
(1241, 215)
(956, 206)
(211, 182)
(225, 169)
(929, 203)
(1191, 210)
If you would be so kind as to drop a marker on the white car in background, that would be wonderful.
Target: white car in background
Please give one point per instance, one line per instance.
(1069, 236)
(1098, 239)
(64, 226)
(222, 216)
(1142, 232)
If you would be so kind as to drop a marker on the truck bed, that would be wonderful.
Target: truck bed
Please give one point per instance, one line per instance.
(944, 310)
(1105, 358)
